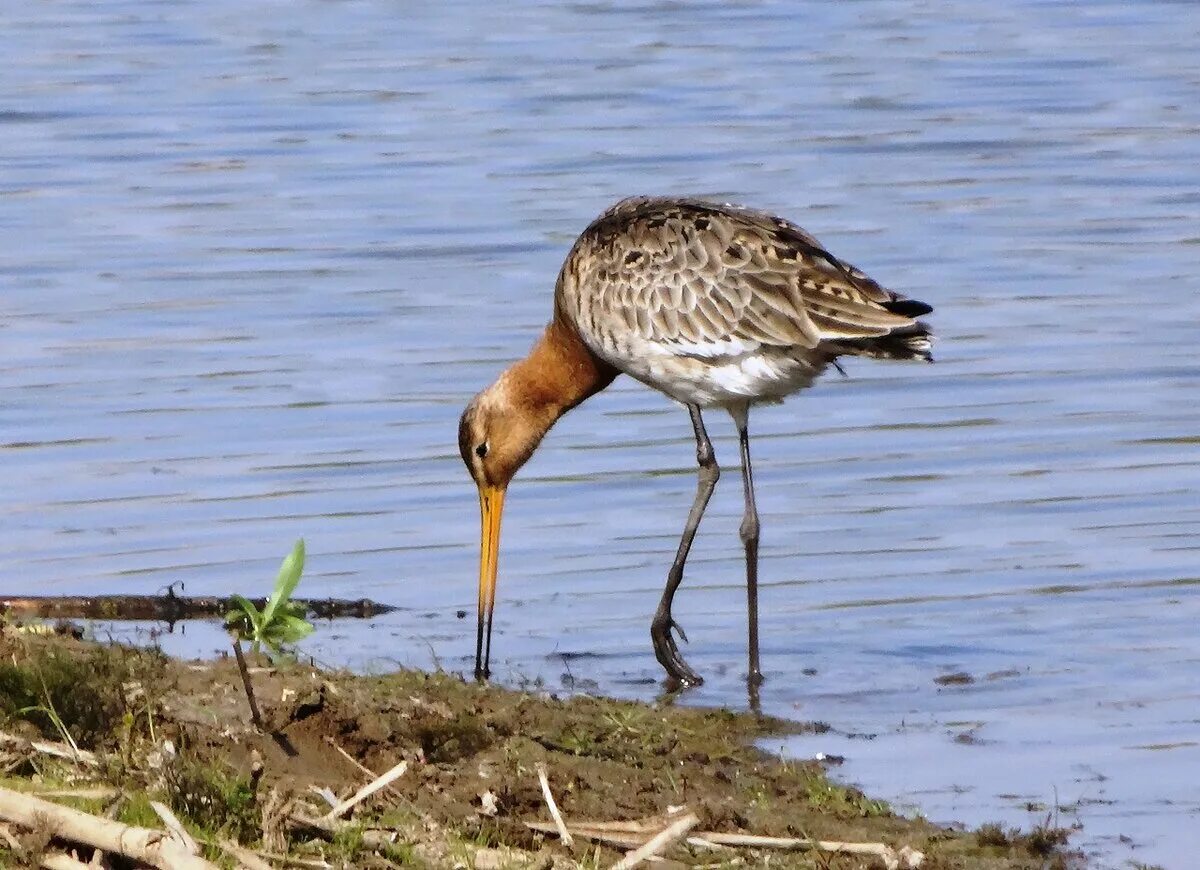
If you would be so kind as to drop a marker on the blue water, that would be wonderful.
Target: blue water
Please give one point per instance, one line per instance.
(258, 258)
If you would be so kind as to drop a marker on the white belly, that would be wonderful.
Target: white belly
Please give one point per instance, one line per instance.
(762, 375)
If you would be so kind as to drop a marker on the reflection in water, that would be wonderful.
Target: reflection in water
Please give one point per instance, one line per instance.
(255, 267)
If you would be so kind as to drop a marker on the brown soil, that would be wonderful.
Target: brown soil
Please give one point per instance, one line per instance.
(607, 760)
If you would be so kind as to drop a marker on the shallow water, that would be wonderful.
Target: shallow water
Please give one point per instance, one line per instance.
(256, 263)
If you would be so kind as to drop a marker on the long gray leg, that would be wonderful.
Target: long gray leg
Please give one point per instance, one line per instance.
(665, 649)
(749, 534)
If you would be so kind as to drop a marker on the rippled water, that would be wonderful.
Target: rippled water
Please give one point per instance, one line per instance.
(256, 261)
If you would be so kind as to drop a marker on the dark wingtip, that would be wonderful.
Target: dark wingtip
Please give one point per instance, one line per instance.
(908, 307)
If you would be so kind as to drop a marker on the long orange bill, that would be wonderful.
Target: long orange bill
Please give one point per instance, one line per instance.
(491, 505)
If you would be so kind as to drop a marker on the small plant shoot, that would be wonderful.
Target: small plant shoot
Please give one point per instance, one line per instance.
(281, 622)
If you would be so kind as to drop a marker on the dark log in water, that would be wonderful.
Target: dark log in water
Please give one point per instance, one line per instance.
(169, 607)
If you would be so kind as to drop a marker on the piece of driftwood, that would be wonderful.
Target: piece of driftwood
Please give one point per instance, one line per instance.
(275, 808)
(170, 607)
(156, 848)
(893, 859)
(367, 790)
(395, 792)
(362, 768)
(629, 835)
(375, 838)
(244, 856)
(623, 835)
(563, 833)
(178, 831)
(294, 860)
(660, 842)
(91, 793)
(46, 747)
(392, 790)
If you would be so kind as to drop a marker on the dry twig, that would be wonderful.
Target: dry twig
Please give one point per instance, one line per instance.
(244, 857)
(275, 809)
(346, 755)
(178, 831)
(660, 842)
(375, 838)
(563, 833)
(367, 790)
(97, 793)
(632, 834)
(295, 860)
(624, 835)
(891, 858)
(395, 792)
(46, 747)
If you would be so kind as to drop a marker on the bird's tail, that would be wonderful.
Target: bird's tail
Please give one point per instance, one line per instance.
(911, 340)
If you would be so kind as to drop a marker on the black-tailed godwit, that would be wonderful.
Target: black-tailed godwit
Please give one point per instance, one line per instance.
(717, 306)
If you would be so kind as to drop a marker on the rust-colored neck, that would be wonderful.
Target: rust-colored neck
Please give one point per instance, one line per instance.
(509, 418)
(558, 373)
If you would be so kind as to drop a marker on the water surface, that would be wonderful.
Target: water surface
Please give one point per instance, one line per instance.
(256, 263)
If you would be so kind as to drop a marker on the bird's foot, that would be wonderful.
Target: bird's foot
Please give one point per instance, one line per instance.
(667, 653)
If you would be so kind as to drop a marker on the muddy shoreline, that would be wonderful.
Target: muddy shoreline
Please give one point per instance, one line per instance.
(178, 732)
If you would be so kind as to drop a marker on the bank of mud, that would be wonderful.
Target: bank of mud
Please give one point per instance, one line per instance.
(178, 732)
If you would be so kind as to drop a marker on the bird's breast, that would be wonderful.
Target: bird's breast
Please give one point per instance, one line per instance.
(724, 373)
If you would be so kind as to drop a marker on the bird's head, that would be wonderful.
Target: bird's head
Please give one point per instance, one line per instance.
(497, 434)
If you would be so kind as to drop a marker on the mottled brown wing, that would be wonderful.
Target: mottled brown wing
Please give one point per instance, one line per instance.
(712, 279)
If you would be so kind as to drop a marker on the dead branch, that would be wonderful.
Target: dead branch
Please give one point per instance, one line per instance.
(601, 832)
(46, 747)
(295, 860)
(367, 790)
(362, 767)
(563, 833)
(95, 793)
(375, 838)
(357, 764)
(660, 842)
(244, 857)
(141, 844)
(891, 858)
(274, 813)
(178, 831)
(628, 835)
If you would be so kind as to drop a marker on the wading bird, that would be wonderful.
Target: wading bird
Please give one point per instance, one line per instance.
(717, 306)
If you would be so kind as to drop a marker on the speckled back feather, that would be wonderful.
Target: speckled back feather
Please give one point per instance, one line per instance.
(712, 281)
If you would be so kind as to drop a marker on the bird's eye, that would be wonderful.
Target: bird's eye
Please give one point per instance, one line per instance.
(481, 450)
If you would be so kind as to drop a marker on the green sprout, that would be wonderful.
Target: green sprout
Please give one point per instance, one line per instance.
(281, 622)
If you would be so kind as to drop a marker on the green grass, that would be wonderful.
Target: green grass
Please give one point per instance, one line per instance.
(85, 691)
(214, 799)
